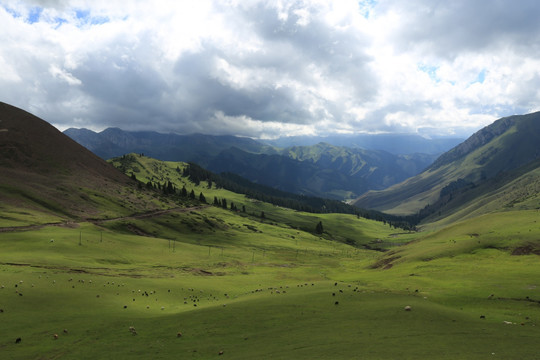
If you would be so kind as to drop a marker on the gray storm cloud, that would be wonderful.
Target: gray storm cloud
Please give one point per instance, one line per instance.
(271, 68)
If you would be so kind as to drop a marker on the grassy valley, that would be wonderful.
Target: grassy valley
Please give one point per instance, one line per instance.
(101, 264)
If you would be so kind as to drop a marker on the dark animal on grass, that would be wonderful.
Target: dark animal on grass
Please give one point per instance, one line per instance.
(18, 340)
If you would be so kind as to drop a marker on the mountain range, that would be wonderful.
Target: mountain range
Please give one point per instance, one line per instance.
(398, 144)
(322, 169)
(496, 168)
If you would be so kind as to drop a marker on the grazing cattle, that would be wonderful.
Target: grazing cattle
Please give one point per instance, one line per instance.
(55, 336)
(336, 303)
(407, 308)
(482, 316)
(220, 352)
(179, 334)
(18, 340)
(65, 331)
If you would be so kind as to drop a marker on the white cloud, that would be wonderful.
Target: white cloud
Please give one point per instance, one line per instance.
(265, 68)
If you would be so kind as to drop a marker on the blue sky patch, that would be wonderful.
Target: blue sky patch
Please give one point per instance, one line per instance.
(12, 12)
(366, 6)
(430, 70)
(481, 77)
(86, 18)
(34, 14)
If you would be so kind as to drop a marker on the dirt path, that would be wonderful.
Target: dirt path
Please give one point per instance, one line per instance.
(101, 221)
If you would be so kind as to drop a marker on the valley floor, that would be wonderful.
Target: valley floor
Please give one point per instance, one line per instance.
(273, 293)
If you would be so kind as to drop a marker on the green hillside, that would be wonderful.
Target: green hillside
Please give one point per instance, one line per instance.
(492, 153)
(264, 289)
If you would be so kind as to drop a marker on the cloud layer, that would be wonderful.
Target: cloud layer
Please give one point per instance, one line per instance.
(270, 68)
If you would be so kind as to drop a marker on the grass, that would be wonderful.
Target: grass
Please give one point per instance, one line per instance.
(264, 288)
(279, 300)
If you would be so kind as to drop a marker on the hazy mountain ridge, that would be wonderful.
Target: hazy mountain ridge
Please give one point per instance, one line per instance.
(114, 142)
(504, 150)
(321, 170)
(392, 143)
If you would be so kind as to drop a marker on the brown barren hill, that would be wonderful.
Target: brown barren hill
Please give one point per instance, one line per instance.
(43, 169)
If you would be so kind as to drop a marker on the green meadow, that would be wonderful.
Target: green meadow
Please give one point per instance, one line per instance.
(253, 288)
(188, 280)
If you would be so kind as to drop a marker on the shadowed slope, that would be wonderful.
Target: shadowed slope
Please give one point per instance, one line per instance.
(505, 145)
(45, 171)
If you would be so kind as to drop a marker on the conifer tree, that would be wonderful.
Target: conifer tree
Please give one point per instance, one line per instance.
(319, 228)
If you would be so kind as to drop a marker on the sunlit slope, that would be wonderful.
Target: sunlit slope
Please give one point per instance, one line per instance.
(507, 144)
(276, 292)
(499, 234)
(248, 214)
(515, 190)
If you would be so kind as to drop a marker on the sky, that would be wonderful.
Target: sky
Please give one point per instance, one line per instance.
(265, 69)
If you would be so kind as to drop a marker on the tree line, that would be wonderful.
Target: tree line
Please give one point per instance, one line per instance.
(311, 204)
